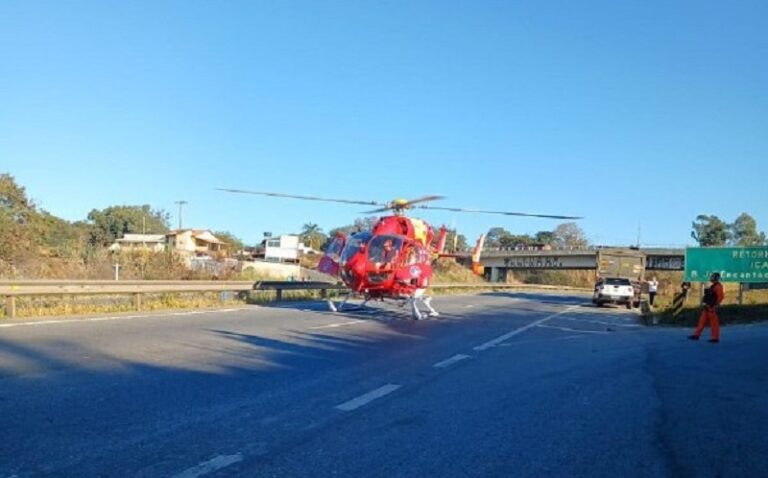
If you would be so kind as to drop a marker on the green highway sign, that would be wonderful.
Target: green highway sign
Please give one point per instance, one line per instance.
(735, 264)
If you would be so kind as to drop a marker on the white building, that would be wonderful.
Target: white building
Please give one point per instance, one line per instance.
(195, 242)
(136, 242)
(282, 249)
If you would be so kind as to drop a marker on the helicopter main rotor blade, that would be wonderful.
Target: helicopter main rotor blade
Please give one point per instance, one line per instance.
(306, 198)
(504, 213)
(404, 204)
(376, 211)
(424, 199)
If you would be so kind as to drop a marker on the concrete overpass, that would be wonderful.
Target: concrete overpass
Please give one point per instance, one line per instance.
(498, 261)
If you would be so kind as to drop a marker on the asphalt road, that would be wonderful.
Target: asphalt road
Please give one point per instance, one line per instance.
(500, 385)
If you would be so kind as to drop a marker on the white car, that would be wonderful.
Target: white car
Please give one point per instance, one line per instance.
(613, 291)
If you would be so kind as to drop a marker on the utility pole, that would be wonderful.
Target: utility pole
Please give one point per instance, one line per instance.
(181, 204)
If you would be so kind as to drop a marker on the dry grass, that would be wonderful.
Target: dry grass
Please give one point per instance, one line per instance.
(754, 307)
(51, 306)
(447, 271)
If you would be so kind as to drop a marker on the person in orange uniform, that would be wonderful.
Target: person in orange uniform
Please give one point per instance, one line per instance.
(713, 297)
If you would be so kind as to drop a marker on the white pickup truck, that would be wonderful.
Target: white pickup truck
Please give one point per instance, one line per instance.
(613, 291)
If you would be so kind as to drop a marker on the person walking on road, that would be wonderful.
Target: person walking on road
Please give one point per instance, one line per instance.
(713, 297)
(653, 286)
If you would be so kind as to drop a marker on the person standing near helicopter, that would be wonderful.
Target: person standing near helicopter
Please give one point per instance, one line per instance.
(713, 297)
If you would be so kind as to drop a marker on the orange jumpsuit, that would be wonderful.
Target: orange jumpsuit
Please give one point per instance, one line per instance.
(709, 314)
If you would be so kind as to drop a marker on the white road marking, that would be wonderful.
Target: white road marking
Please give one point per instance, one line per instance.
(535, 341)
(117, 317)
(508, 335)
(611, 324)
(210, 466)
(566, 329)
(340, 324)
(451, 361)
(367, 398)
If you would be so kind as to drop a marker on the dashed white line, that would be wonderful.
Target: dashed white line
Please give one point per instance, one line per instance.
(508, 335)
(210, 466)
(451, 361)
(340, 324)
(566, 329)
(367, 398)
(600, 322)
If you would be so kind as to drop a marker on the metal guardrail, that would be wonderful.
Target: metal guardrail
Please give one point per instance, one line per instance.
(11, 289)
(280, 286)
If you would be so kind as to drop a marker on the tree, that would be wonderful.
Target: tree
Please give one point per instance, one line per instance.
(115, 221)
(516, 240)
(233, 243)
(18, 215)
(710, 230)
(569, 235)
(312, 235)
(743, 232)
(545, 237)
(496, 236)
(360, 224)
(455, 241)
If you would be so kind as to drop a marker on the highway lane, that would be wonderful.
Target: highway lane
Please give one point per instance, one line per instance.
(500, 384)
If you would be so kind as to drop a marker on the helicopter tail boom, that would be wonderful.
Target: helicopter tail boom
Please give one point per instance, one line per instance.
(477, 267)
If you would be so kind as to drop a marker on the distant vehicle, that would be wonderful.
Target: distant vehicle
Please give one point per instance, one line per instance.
(614, 290)
(628, 264)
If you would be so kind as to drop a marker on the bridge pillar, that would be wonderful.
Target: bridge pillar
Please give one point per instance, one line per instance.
(498, 274)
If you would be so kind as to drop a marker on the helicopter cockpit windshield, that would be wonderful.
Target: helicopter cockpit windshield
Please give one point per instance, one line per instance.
(353, 244)
(385, 249)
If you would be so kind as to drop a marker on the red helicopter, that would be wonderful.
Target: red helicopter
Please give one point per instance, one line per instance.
(394, 259)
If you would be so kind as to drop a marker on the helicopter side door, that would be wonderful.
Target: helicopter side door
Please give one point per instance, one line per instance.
(415, 268)
(331, 260)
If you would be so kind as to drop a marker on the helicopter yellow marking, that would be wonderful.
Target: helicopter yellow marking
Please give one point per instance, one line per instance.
(420, 229)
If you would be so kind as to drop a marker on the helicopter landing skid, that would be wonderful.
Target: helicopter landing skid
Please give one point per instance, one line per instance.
(426, 301)
(338, 308)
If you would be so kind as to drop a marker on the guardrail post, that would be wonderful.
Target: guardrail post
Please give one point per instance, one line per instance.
(10, 306)
(137, 301)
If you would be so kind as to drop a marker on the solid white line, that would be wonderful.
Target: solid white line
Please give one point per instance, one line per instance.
(340, 324)
(210, 466)
(566, 329)
(508, 335)
(451, 361)
(367, 398)
(120, 317)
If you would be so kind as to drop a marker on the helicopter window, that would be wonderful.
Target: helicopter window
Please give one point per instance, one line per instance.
(334, 249)
(385, 248)
(424, 255)
(415, 255)
(353, 245)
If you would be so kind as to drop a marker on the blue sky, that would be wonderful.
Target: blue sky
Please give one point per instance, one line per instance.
(633, 114)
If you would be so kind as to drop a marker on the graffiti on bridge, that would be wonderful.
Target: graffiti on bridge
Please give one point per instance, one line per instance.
(539, 262)
(664, 263)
